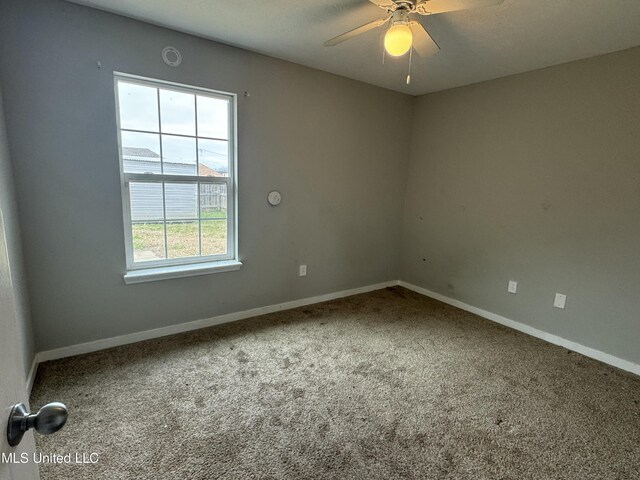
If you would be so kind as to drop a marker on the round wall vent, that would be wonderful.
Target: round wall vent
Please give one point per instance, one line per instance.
(171, 56)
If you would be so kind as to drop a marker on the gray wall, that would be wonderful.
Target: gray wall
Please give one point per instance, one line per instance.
(14, 252)
(534, 178)
(322, 140)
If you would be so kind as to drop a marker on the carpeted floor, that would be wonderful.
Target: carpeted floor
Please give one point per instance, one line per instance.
(383, 385)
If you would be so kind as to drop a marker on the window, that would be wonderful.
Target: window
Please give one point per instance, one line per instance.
(177, 160)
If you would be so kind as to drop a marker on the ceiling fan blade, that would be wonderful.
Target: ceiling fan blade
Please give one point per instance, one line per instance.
(424, 45)
(355, 32)
(433, 7)
(388, 4)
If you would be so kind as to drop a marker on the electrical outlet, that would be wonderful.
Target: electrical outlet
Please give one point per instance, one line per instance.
(513, 286)
(560, 300)
(303, 270)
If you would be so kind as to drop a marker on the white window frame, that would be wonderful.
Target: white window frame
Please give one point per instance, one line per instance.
(171, 268)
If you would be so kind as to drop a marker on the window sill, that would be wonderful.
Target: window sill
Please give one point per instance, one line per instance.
(179, 271)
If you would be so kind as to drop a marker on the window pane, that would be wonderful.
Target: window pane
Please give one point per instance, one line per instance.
(182, 239)
(146, 201)
(213, 200)
(175, 134)
(213, 117)
(177, 112)
(181, 201)
(138, 106)
(214, 158)
(214, 237)
(140, 152)
(179, 155)
(148, 241)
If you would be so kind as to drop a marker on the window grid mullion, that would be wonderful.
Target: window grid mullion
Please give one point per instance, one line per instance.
(158, 178)
(184, 135)
(199, 222)
(164, 194)
(160, 131)
(195, 103)
(164, 221)
(138, 222)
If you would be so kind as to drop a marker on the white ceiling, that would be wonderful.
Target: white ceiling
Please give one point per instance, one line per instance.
(476, 45)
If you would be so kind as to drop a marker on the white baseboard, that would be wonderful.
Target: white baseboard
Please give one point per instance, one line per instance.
(32, 374)
(232, 317)
(534, 332)
(197, 324)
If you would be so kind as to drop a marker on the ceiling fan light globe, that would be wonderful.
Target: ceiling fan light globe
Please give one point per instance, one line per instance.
(398, 40)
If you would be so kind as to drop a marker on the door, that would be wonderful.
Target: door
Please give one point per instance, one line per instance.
(12, 376)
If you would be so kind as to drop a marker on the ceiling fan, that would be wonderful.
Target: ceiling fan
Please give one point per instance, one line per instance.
(404, 32)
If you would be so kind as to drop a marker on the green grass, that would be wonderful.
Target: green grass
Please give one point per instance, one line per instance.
(182, 238)
(213, 214)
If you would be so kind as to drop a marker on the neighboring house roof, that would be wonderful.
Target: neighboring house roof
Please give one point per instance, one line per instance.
(139, 152)
(146, 155)
(205, 171)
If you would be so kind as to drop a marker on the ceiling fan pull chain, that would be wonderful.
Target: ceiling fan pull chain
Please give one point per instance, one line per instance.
(409, 73)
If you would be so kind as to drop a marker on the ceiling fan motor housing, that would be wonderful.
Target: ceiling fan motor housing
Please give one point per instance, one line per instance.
(400, 17)
(408, 4)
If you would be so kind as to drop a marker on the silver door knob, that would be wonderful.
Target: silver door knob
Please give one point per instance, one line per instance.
(48, 420)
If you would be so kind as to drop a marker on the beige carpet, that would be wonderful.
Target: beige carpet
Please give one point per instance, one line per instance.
(383, 385)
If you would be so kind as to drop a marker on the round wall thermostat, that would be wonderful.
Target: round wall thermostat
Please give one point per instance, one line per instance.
(274, 198)
(171, 56)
